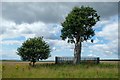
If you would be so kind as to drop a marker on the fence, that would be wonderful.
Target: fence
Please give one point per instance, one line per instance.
(69, 60)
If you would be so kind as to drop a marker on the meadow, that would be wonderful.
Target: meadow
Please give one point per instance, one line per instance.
(51, 70)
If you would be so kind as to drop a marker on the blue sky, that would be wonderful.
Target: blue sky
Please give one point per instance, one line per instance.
(21, 21)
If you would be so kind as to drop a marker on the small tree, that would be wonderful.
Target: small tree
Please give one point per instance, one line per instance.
(34, 49)
(77, 27)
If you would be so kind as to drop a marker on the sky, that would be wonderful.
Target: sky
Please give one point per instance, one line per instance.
(23, 20)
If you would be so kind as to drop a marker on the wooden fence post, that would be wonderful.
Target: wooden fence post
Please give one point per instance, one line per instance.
(56, 60)
(98, 61)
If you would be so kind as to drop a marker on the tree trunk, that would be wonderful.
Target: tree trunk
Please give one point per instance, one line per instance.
(77, 53)
(33, 64)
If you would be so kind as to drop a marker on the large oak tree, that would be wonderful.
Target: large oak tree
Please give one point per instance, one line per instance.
(78, 27)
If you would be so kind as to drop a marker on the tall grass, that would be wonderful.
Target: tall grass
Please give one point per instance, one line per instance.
(102, 70)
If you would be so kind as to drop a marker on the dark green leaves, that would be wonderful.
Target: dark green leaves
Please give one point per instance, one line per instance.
(34, 48)
(92, 40)
(79, 23)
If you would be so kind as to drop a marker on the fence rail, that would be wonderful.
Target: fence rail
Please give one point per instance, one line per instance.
(83, 60)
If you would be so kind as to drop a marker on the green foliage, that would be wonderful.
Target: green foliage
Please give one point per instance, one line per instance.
(78, 24)
(34, 49)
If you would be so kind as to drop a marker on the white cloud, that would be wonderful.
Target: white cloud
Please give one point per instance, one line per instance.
(100, 23)
(109, 32)
(10, 29)
(59, 44)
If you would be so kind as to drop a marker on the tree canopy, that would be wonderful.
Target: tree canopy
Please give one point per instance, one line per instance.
(79, 23)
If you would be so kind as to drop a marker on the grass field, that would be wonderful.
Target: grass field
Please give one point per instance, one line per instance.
(51, 70)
